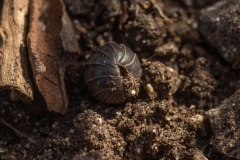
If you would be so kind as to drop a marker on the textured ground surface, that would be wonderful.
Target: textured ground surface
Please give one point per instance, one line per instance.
(182, 118)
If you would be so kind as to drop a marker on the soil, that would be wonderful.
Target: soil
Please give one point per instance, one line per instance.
(184, 79)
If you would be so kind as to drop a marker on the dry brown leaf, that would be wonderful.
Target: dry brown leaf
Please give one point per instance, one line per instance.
(52, 47)
(13, 55)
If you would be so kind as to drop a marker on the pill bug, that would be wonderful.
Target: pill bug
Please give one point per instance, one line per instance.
(112, 73)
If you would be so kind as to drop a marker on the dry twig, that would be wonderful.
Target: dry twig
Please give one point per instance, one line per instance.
(17, 131)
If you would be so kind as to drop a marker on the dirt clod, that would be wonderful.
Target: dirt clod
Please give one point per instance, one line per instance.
(225, 120)
(164, 80)
(202, 80)
(99, 134)
(220, 26)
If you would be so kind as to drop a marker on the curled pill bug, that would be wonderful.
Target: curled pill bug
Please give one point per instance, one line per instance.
(112, 73)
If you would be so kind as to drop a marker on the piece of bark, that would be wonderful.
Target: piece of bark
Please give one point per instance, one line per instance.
(13, 56)
(52, 47)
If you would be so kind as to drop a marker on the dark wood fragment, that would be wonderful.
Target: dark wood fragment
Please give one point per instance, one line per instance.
(13, 56)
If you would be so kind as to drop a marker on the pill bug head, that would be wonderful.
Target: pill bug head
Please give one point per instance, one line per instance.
(112, 73)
